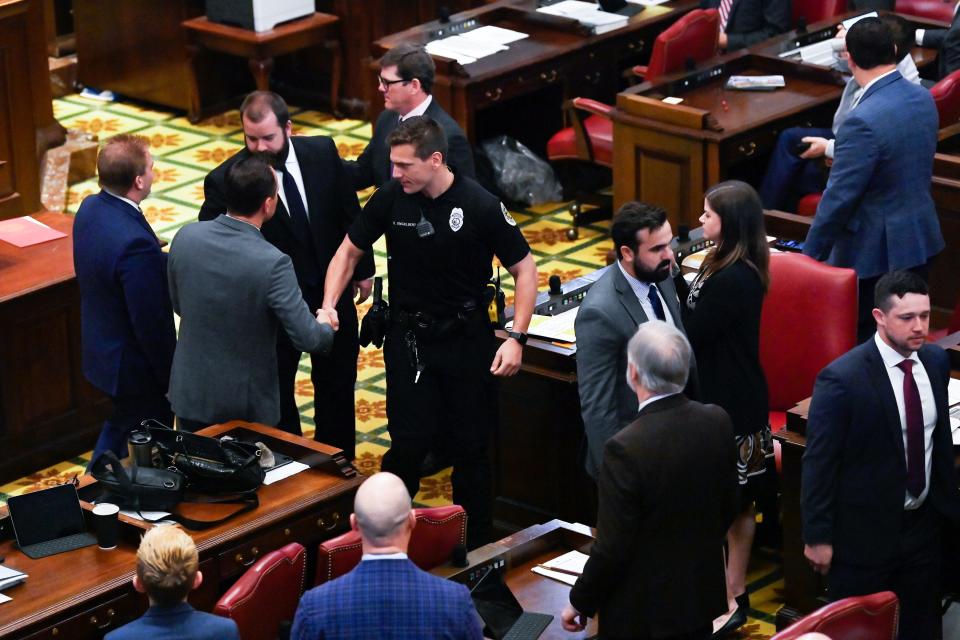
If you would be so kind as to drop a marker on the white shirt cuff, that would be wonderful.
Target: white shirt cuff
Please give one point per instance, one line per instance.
(829, 150)
(919, 36)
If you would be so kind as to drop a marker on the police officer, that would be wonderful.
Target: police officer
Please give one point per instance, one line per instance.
(443, 230)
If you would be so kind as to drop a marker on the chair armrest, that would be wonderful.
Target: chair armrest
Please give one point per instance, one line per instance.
(640, 71)
(593, 106)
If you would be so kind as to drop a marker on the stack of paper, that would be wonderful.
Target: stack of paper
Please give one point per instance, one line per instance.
(587, 13)
(558, 328)
(26, 231)
(10, 577)
(566, 568)
(756, 83)
(472, 45)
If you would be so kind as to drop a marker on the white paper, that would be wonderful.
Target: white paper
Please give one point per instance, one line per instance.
(953, 392)
(469, 47)
(570, 561)
(496, 35)
(149, 516)
(437, 49)
(287, 470)
(820, 53)
(586, 13)
(556, 575)
(849, 22)
(4, 598)
(558, 327)
(647, 3)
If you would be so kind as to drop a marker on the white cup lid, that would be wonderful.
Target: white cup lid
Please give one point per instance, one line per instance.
(106, 509)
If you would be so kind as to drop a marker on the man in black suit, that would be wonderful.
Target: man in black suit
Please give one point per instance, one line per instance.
(746, 22)
(947, 43)
(878, 473)
(405, 80)
(656, 568)
(317, 205)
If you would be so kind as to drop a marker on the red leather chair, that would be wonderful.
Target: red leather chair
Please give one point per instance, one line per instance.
(872, 617)
(809, 319)
(933, 9)
(811, 11)
(439, 530)
(807, 205)
(946, 95)
(267, 594)
(953, 327)
(692, 37)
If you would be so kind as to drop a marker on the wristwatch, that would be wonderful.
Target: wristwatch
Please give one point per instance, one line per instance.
(519, 337)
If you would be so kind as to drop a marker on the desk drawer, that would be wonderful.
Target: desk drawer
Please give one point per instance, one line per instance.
(525, 81)
(308, 530)
(96, 621)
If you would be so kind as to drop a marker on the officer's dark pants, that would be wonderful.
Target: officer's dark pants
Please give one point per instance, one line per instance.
(453, 402)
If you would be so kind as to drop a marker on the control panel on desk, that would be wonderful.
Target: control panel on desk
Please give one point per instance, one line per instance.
(471, 576)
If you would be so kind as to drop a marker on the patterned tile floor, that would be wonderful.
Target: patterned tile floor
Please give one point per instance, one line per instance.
(184, 153)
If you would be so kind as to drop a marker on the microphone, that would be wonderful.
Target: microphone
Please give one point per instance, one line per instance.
(459, 558)
(555, 289)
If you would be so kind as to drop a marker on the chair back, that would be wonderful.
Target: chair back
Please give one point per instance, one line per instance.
(811, 11)
(872, 617)
(693, 37)
(946, 95)
(267, 594)
(932, 9)
(439, 530)
(809, 319)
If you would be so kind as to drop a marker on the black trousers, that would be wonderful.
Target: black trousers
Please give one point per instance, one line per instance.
(334, 378)
(454, 403)
(914, 575)
(866, 325)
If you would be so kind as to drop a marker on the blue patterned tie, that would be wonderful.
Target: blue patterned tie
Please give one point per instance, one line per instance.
(298, 213)
(655, 303)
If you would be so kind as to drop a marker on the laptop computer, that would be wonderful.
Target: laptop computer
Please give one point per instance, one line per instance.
(49, 521)
(503, 616)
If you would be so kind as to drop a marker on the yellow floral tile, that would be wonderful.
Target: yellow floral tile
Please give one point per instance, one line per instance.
(565, 270)
(550, 208)
(436, 490)
(50, 477)
(369, 456)
(348, 147)
(104, 124)
(219, 125)
(63, 109)
(369, 363)
(206, 156)
(138, 111)
(365, 131)
(546, 236)
(371, 410)
(77, 192)
(308, 130)
(167, 175)
(595, 253)
(162, 214)
(190, 194)
(312, 118)
(164, 140)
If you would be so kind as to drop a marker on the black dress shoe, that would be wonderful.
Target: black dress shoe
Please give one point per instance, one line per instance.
(735, 621)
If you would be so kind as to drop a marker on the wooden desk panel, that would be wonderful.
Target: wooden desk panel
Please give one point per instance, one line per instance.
(48, 411)
(519, 92)
(67, 591)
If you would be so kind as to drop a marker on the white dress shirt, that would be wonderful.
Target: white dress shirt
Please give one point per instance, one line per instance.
(400, 555)
(418, 110)
(292, 167)
(890, 360)
(127, 200)
(653, 399)
(642, 291)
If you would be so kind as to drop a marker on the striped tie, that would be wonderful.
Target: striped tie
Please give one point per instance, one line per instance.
(724, 13)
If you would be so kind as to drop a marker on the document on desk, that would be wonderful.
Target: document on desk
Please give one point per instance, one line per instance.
(647, 3)
(10, 577)
(566, 568)
(495, 35)
(439, 48)
(587, 14)
(284, 471)
(4, 598)
(558, 328)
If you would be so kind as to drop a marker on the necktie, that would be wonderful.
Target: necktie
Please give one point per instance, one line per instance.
(655, 302)
(298, 214)
(916, 465)
(725, 6)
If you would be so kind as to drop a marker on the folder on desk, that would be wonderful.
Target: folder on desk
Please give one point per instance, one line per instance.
(587, 14)
(10, 577)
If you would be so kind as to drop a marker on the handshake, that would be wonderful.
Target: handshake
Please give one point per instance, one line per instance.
(328, 316)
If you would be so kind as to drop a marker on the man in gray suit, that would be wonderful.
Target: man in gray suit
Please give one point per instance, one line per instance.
(232, 289)
(633, 290)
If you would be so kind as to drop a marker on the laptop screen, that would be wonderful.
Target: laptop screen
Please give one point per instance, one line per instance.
(46, 515)
(495, 603)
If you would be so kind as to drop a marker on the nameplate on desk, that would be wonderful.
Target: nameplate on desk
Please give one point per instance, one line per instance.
(453, 29)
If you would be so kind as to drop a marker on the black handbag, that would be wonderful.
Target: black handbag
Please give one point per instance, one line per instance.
(137, 488)
(209, 465)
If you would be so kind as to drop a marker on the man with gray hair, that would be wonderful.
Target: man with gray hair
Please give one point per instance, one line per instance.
(668, 493)
(386, 595)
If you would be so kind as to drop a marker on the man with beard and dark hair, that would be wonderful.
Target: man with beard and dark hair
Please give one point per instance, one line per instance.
(635, 289)
(317, 205)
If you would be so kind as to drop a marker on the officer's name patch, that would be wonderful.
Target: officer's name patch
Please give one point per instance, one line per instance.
(398, 223)
(456, 219)
(507, 216)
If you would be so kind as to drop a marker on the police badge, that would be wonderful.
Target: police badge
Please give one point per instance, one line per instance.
(507, 216)
(456, 219)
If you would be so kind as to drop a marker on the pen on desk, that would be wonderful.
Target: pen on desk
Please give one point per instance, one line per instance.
(564, 571)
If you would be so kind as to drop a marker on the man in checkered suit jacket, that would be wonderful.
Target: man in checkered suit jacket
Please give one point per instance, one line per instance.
(386, 596)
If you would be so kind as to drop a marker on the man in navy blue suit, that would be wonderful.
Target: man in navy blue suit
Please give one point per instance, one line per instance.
(877, 214)
(167, 570)
(878, 479)
(386, 596)
(126, 319)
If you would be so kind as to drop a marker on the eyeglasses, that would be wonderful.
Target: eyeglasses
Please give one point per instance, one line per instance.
(386, 83)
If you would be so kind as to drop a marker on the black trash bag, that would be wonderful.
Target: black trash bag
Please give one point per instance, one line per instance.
(519, 175)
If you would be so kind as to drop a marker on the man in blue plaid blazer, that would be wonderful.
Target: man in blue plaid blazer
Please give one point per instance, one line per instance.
(386, 596)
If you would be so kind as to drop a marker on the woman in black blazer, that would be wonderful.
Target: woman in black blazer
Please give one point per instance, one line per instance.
(722, 319)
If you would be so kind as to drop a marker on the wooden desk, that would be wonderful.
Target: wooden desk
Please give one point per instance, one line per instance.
(82, 593)
(519, 92)
(260, 48)
(521, 552)
(804, 590)
(48, 411)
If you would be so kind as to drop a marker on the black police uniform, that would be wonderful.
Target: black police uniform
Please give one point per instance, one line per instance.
(440, 343)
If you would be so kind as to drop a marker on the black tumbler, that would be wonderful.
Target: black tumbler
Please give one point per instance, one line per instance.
(140, 447)
(107, 525)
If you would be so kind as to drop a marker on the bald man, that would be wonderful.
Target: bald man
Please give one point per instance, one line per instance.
(386, 596)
